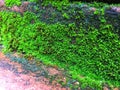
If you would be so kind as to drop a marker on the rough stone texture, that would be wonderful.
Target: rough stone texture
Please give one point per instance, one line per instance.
(53, 71)
(21, 8)
(112, 15)
(2, 3)
(15, 8)
(115, 9)
(13, 78)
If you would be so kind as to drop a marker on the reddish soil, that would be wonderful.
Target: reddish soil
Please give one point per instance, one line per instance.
(12, 80)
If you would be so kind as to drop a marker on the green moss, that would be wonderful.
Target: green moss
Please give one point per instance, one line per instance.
(92, 53)
(10, 3)
(56, 3)
(66, 16)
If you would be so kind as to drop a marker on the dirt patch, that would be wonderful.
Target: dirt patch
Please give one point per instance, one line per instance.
(12, 77)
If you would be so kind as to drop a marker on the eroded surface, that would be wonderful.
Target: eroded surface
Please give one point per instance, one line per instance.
(13, 77)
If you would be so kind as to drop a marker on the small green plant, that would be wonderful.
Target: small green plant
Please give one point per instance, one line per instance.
(56, 3)
(65, 15)
(12, 2)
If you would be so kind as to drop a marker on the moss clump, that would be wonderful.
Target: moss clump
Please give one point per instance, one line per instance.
(93, 53)
(12, 2)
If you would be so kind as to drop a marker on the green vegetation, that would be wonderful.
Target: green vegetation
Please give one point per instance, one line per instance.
(59, 4)
(12, 2)
(93, 53)
(66, 16)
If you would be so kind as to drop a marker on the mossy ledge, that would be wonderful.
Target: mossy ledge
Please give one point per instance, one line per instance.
(89, 52)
